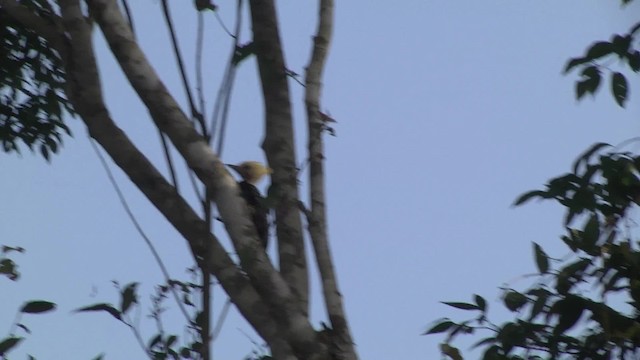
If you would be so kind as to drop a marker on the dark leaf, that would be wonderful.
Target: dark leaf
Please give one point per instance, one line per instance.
(481, 302)
(571, 243)
(440, 327)
(9, 343)
(461, 305)
(450, 351)
(154, 341)
(36, 307)
(24, 327)
(573, 63)
(8, 268)
(185, 352)
(493, 353)
(620, 44)
(539, 303)
(8, 249)
(591, 232)
(593, 79)
(128, 297)
(542, 260)
(196, 346)
(581, 88)
(186, 300)
(528, 196)
(514, 300)
(102, 307)
(585, 156)
(599, 49)
(569, 311)
(202, 5)
(634, 60)
(171, 340)
(619, 88)
(200, 319)
(563, 283)
(576, 268)
(44, 151)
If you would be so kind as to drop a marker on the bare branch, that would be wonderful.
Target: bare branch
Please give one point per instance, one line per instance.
(198, 64)
(136, 224)
(168, 116)
(279, 147)
(197, 115)
(341, 340)
(90, 105)
(223, 99)
(125, 6)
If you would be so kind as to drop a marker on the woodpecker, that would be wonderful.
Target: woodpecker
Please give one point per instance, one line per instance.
(251, 173)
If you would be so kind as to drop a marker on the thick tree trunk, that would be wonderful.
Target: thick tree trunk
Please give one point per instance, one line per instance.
(279, 146)
(274, 302)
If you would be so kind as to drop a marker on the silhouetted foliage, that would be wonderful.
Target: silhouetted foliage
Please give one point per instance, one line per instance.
(32, 100)
(599, 196)
(10, 269)
(586, 305)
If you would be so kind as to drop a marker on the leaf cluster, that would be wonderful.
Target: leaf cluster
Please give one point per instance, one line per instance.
(32, 81)
(160, 345)
(9, 268)
(597, 285)
(592, 64)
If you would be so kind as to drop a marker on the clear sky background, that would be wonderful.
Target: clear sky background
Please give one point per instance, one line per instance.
(446, 111)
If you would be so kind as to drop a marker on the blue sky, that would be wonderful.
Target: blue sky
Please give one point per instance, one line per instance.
(446, 112)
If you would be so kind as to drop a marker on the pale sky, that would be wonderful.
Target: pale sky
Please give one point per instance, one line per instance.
(446, 112)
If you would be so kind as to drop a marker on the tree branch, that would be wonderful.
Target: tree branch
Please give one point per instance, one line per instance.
(195, 113)
(341, 340)
(168, 116)
(279, 147)
(142, 173)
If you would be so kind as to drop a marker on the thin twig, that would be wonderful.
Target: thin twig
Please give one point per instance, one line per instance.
(169, 159)
(225, 111)
(198, 63)
(127, 209)
(163, 139)
(196, 189)
(127, 11)
(223, 98)
(221, 318)
(138, 336)
(224, 27)
(205, 334)
(183, 74)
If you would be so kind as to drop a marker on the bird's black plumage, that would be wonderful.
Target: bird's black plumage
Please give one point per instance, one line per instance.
(257, 209)
(251, 173)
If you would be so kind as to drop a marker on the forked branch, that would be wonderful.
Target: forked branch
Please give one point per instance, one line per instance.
(341, 341)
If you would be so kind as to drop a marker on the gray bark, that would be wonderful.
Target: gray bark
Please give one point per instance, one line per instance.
(341, 343)
(279, 147)
(274, 303)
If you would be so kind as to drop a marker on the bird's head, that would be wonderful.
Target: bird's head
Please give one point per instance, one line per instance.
(251, 171)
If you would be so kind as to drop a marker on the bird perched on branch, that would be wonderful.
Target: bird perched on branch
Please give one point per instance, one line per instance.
(251, 173)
